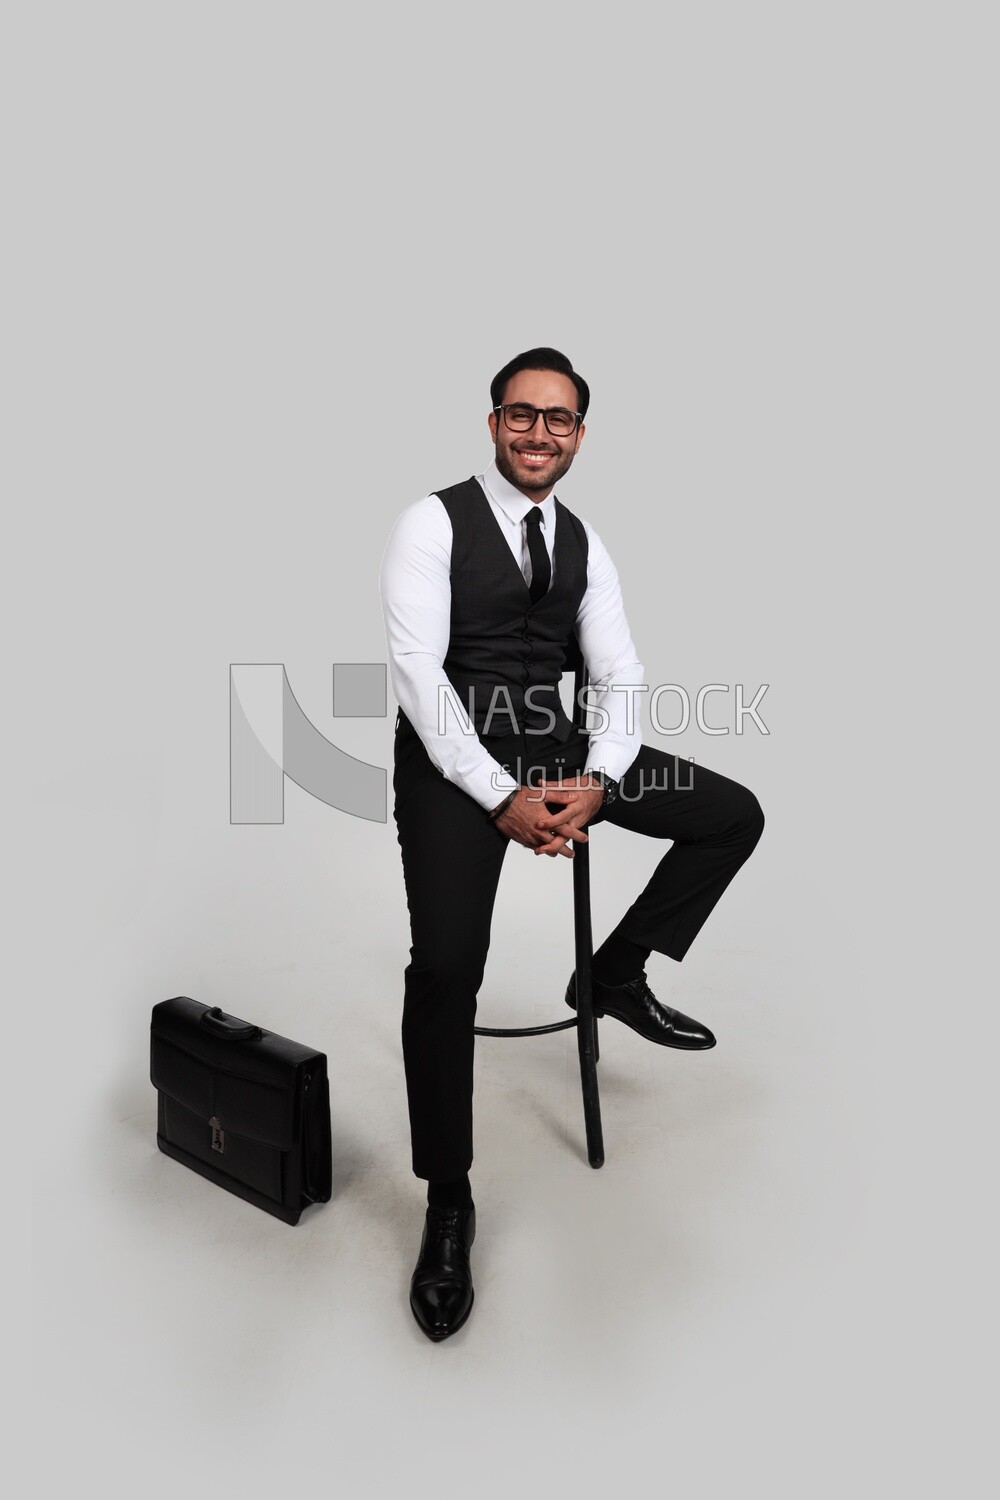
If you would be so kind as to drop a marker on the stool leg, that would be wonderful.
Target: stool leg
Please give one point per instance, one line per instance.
(586, 1026)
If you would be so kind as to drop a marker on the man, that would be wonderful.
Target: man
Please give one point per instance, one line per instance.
(483, 585)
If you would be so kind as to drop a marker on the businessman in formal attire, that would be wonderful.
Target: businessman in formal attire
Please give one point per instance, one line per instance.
(483, 584)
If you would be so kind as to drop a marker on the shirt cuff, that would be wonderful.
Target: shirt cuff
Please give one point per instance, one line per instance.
(489, 784)
(614, 762)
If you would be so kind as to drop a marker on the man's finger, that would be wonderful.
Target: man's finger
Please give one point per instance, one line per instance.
(570, 831)
(554, 846)
(566, 826)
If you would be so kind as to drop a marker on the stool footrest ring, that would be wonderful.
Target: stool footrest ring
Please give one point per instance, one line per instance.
(523, 1030)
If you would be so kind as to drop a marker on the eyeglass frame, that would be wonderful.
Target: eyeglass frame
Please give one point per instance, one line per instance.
(540, 411)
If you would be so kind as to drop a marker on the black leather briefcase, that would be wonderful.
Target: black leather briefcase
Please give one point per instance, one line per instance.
(245, 1108)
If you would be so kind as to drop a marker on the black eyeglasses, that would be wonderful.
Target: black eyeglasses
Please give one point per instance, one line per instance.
(559, 421)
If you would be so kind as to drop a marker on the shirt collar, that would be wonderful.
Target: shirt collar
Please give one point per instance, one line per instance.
(512, 502)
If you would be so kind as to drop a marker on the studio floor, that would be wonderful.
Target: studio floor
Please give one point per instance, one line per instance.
(711, 1303)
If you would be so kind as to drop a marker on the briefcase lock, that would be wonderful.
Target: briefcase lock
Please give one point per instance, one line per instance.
(218, 1134)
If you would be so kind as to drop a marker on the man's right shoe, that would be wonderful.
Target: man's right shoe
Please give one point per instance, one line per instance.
(441, 1292)
(636, 1005)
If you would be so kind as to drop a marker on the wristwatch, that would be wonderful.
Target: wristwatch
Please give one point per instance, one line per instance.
(608, 783)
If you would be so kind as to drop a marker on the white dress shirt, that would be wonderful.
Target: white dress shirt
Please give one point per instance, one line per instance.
(415, 587)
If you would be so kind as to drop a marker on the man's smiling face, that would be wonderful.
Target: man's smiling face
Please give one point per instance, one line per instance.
(534, 461)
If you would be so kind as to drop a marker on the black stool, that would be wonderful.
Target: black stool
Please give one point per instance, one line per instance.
(585, 1021)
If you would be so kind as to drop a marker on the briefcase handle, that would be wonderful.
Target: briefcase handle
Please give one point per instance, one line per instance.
(229, 1027)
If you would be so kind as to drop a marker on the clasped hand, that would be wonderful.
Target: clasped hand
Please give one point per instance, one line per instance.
(529, 821)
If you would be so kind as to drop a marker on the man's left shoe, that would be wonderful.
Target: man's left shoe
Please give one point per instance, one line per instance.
(441, 1294)
(636, 1005)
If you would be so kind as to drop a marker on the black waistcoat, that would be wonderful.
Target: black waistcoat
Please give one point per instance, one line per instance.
(502, 647)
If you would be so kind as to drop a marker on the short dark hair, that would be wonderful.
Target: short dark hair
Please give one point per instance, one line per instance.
(540, 359)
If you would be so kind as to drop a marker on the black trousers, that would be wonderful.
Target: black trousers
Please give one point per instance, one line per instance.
(452, 858)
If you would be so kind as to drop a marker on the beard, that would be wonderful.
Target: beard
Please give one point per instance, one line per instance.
(523, 477)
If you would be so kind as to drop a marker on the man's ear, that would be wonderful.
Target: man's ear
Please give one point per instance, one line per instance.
(579, 436)
(492, 419)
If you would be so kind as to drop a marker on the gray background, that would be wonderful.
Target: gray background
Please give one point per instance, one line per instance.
(265, 261)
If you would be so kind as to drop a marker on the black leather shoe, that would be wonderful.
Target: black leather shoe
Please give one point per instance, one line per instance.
(441, 1292)
(636, 1005)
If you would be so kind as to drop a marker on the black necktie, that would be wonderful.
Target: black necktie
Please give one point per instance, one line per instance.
(541, 568)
